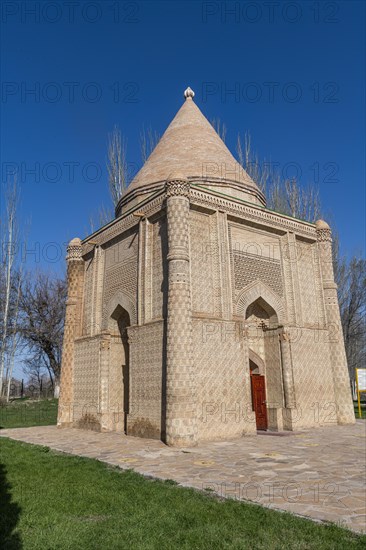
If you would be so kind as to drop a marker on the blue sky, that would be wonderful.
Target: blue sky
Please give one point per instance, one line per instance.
(297, 69)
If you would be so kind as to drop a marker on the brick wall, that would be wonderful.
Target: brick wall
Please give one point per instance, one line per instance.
(146, 380)
(223, 386)
(86, 381)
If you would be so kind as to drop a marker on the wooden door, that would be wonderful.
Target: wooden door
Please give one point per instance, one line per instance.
(259, 401)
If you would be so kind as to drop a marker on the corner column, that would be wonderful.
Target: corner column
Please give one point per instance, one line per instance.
(72, 329)
(338, 360)
(289, 412)
(287, 374)
(106, 416)
(181, 422)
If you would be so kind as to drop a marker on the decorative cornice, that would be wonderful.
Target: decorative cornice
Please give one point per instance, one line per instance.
(200, 197)
(197, 181)
(253, 213)
(123, 223)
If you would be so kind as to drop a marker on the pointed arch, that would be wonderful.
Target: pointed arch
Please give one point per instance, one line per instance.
(257, 290)
(123, 299)
(255, 358)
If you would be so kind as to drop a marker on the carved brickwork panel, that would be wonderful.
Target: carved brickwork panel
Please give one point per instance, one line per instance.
(255, 256)
(223, 386)
(146, 379)
(309, 282)
(159, 278)
(122, 251)
(248, 269)
(216, 244)
(121, 270)
(312, 373)
(203, 249)
(88, 289)
(273, 369)
(86, 376)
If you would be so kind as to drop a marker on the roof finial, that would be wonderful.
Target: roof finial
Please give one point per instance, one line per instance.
(189, 93)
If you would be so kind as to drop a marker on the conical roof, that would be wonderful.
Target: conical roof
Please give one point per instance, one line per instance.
(190, 146)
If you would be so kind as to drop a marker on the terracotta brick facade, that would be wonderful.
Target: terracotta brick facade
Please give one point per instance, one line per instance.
(171, 311)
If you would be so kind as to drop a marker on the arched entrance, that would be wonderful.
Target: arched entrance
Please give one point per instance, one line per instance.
(258, 390)
(262, 330)
(259, 402)
(119, 373)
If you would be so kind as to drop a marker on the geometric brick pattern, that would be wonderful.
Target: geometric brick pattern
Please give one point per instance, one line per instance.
(275, 394)
(180, 381)
(73, 329)
(249, 267)
(314, 385)
(255, 256)
(116, 383)
(159, 267)
(308, 293)
(121, 267)
(122, 276)
(256, 290)
(342, 390)
(202, 252)
(223, 385)
(87, 294)
(86, 377)
(288, 278)
(122, 250)
(146, 383)
(217, 257)
(193, 263)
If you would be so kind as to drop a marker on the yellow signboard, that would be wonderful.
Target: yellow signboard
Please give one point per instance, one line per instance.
(361, 387)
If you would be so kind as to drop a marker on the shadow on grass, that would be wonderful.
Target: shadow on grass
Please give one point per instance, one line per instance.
(9, 515)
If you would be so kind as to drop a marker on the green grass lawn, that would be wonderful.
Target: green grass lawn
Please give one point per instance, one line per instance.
(50, 501)
(26, 412)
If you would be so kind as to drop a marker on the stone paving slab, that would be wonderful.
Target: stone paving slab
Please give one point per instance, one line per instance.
(319, 474)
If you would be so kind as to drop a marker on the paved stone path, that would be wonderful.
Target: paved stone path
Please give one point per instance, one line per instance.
(318, 474)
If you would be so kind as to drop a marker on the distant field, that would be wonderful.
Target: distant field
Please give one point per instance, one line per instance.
(28, 412)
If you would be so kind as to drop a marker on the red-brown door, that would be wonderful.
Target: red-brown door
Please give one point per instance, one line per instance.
(259, 401)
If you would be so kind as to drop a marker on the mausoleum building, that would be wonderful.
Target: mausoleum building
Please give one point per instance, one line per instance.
(197, 313)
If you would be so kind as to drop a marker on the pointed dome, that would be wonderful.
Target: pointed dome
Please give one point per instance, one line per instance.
(191, 146)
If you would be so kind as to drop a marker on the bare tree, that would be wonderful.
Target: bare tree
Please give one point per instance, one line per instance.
(119, 170)
(39, 375)
(42, 306)
(9, 248)
(303, 202)
(104, 216)
(117, 165)
(261, 173)
(14, 335)
(350, 276)
(148, 141)
(220, 128)
(283, 195)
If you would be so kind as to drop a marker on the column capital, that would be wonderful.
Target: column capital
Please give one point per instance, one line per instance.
(177, 185)
(74, 250)
(323, 231)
